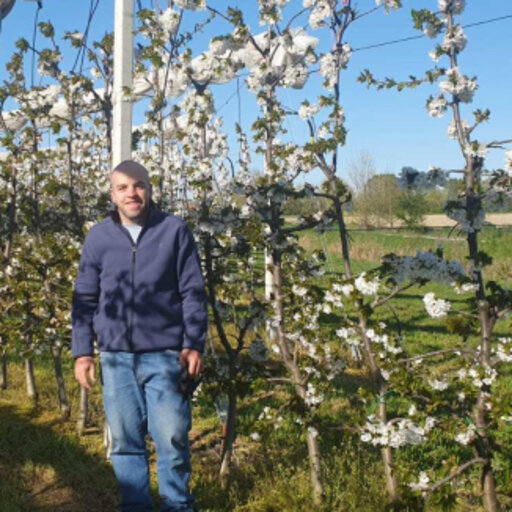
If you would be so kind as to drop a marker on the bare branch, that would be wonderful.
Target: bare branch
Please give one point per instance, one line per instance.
(281, 379)
(376, 303)
(456, 473)
(437, 353)
(499, 143)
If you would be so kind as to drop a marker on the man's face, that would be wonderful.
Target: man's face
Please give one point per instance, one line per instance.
(131, 193)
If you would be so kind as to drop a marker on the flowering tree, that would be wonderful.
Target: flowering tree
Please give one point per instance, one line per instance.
(470, 385)
(52, 196)
(277, 58)
(183, 145)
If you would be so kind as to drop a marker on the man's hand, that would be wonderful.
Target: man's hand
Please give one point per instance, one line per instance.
(85, 371)
(193, 360)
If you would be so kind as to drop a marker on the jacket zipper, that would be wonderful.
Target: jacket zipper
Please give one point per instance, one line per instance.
(132, 301)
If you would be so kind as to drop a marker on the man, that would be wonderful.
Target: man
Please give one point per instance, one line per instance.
(140, 291)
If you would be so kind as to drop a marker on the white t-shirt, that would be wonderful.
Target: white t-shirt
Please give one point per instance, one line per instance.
(134, 230)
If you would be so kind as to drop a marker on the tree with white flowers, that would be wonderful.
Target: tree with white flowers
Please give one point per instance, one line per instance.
(470, 408)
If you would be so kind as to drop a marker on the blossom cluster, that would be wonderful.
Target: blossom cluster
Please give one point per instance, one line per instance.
(459, 85)
(366, 286)
(452, 129)
(436, 107)
(331, 63)
(452, 6)
(481, 375)
(320, 12)
(397, 432)
(436, 308)
(504, 350)
(389, 4)
(455, 40)
(193, 5)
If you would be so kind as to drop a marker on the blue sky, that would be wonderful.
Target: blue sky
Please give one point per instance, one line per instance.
(394, 127)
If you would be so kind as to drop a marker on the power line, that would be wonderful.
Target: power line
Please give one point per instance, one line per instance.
(34, 35)
(81, 51)
(411, 38)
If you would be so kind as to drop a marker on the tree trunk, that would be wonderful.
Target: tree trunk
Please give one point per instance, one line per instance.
(489, 488)
(314, 466)
(292, 367)
(387, 458)
(3, 374)
(342, 228)
(229, 440)
(483, 446)
(30, 380)
(82, 412)
(61, 385)
(387, 455)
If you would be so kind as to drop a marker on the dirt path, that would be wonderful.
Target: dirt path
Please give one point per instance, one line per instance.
(442, 221)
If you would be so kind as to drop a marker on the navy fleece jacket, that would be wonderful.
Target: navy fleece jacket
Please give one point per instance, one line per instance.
(141, 296)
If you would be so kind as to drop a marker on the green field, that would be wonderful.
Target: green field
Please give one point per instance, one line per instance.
(45, 467)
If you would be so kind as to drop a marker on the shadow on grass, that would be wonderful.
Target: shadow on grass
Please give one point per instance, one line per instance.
(41, 471)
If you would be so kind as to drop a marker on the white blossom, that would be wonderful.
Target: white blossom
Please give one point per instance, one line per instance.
(95, 73)
(300, 291)
(193, 5)
(452, 6)
(312, 398)
(323, 132)
(422, 483)
(367, 287)
(395, 433)
(436, 308)
(465, 288)
(437, 107)
(321, 11)
(438, 385)
(459, 85)
(306, 110)
(312, 431)
(169, 20)
(389, 4)
(467, 437)
(476, 149)
(452, 129)
(454, 39)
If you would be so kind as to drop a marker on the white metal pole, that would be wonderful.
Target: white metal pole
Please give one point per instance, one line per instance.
(123, 77)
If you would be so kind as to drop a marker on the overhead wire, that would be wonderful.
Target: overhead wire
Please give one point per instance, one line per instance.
(421, 36)
(81, 52)
(34, 36)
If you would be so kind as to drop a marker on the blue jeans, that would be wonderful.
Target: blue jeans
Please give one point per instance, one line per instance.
(140, 395)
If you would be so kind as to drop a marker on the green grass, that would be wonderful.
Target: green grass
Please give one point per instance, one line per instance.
(45, 467)
(368, 247)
